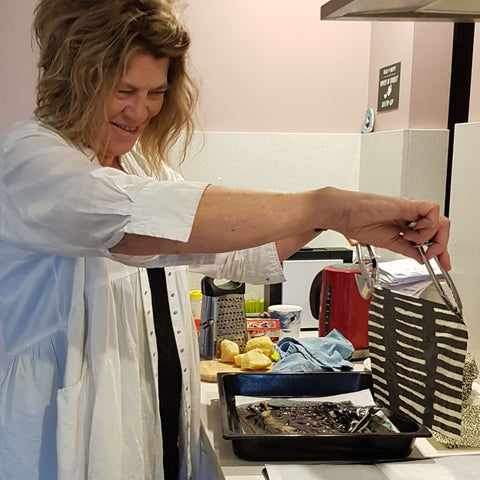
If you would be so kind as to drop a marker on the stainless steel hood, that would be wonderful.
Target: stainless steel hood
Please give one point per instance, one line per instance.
(410, 10)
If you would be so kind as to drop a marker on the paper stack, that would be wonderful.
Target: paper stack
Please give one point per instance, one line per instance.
(405, 276)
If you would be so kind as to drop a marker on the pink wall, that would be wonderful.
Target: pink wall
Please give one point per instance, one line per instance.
(424, 50)
(273, 66)
(391, 43)
(18, 77)
(265, 65)
(475, 90)
(431, 70)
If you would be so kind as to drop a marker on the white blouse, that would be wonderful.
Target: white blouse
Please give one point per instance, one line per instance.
(78, 366)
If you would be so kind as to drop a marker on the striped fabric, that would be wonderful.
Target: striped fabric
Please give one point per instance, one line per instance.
(417, 351)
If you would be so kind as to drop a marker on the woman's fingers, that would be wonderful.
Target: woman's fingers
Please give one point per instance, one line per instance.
(437, 237)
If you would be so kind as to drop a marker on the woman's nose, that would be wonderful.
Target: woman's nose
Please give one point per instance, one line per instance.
(138, 108)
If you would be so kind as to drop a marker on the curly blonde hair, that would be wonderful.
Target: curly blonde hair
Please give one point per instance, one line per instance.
(85, 46)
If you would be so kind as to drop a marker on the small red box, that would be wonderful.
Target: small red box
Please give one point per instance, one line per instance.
(263, 327)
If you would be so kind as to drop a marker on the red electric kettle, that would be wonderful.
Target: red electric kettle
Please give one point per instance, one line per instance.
(336, 301)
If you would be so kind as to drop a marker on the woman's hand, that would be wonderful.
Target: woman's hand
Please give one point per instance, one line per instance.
(395, 223)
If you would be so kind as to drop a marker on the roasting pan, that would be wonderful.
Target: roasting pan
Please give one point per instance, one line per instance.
(355, 447)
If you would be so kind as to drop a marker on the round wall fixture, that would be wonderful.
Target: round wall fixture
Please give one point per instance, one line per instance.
(367, 125)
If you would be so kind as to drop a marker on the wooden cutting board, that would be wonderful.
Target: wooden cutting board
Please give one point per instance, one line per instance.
(210, 368)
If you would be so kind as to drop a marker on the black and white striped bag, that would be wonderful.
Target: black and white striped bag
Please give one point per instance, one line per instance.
(417, 351)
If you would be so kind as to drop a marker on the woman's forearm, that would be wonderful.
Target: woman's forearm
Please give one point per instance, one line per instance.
(229, 219)
(233, 219)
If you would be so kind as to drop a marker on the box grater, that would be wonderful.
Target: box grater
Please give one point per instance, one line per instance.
(223, 316)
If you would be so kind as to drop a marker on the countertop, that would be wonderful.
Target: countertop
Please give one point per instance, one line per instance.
(233, 468)
(458, 464)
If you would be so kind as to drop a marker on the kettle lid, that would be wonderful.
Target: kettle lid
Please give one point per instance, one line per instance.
(344, 266)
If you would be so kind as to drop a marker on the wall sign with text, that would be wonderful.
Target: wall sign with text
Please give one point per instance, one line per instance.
(388, 87)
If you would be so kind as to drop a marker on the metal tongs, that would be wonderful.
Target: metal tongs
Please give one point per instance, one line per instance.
(367, 280)
(456, 309)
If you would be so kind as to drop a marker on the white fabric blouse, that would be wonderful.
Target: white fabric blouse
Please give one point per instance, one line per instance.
(78, 366)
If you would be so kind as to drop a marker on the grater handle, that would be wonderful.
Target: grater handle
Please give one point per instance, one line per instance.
(211, 289)
(208, 328)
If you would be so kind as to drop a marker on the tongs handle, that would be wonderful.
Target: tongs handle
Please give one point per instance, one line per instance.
(367, 280)
(456, 309)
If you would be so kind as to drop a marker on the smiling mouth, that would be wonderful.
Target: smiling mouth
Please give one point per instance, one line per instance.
(125, 128)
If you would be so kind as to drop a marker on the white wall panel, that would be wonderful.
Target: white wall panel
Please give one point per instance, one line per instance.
(277, 161)
(465, 232)
(409, 163)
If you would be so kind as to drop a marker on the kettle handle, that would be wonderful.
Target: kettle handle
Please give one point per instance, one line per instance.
(315, 289)
(211, 289)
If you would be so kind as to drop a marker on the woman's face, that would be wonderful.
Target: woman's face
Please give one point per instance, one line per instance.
(137, 99)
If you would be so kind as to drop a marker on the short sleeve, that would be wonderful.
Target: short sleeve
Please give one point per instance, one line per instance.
(54, 199)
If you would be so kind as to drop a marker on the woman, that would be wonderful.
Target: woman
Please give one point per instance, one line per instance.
(97, 378)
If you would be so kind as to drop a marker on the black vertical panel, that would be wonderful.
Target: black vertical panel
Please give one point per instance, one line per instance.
(460, 82)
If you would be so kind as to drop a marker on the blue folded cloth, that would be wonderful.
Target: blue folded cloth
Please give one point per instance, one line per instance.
(314, 354)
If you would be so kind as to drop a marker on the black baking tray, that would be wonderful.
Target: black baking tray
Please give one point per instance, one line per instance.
(366, 447)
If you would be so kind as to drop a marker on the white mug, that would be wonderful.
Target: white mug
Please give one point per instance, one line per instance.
(289, 318)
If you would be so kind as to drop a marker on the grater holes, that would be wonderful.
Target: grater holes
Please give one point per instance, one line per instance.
(231, 320)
